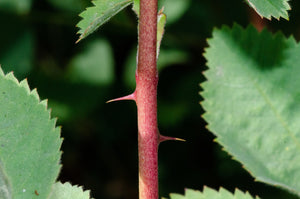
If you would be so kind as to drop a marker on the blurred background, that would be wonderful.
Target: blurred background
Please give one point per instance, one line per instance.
(37, 41)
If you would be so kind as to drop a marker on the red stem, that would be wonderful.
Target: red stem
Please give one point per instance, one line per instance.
(145, 97)
(146, 100)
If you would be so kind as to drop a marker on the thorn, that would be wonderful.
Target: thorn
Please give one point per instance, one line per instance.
(128, 97)
(163, 138)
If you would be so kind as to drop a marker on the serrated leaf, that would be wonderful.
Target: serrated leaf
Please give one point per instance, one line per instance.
(100, 13)
(29, 141)
(271, 8)
(209, 193)
(67, 191)
(251, 99)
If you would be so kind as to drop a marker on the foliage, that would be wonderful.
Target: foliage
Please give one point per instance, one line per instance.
(37, 42)
(210, 193)
(251, 102)
(257, 154)
(275, 8)
(96, 16)
(67, 191)
(29, 139)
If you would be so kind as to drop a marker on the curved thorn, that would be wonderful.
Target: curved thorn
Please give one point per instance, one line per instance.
(163, 138)
(128, 97)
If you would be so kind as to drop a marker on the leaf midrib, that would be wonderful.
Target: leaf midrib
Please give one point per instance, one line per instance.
(277, 115)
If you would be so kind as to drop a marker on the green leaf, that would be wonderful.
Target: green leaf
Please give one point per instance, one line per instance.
(94, 66)
(101, 12)
(209, 193)
(29, 141)
(5, 191)
(251, 99)
(269, 8)
(67, 191)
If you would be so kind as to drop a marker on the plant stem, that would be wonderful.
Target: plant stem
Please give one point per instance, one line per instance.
(146, 100)
(145, 96)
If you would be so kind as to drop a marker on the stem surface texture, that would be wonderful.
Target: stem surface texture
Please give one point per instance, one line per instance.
(146, 100)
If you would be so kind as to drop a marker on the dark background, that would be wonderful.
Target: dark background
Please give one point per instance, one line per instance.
(37, 41)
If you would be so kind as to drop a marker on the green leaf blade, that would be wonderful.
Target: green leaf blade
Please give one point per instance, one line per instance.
(209, 193)
(67, 191)
(30, 142)
(5, 190)
(251, 102)
(269, 8)
(100, 13)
